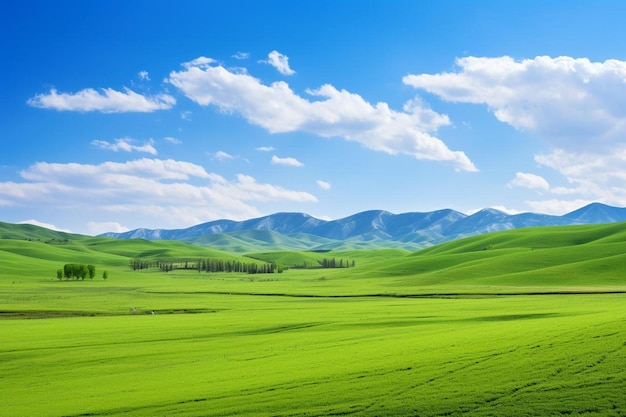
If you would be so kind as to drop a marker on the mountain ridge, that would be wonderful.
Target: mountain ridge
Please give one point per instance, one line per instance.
(411, 230)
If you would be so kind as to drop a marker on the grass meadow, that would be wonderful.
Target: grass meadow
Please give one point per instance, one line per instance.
(523, 323)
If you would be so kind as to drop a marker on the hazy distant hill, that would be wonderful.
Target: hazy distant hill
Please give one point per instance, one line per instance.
(365, 230)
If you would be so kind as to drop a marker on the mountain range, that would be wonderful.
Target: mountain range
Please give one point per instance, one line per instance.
(368, 229)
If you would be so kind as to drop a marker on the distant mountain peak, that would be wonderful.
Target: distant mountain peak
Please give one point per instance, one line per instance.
(409, 230)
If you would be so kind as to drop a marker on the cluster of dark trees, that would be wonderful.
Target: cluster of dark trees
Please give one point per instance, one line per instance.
(206, 265)
(76, 271)
(327, 263)
(79, 272)
(333, 263)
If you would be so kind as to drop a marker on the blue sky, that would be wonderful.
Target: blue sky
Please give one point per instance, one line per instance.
(118, 115)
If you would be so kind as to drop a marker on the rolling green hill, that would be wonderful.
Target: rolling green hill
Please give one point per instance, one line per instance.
(525, 322)
(32, 232)
(542, 258)
(266, 240)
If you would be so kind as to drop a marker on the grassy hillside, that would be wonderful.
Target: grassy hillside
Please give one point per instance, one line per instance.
(32, 232)
(427, 333)
(538, 259)
(258, 240)
(265, 240)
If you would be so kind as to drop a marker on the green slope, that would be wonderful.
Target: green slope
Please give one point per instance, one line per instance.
(258, 241)
(266, 240)
(32, 232)
(32, 251)
(545, 256)
(401, 333)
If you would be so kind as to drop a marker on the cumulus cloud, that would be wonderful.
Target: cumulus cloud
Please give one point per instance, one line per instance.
(323, 184)
(576, 106)
(532, 181)
(166, 191)
(46, 225)
(126, 145)
(328, 112)
(589, 177)
(107, 100)
(292, 162)
(570, 102)
(143, 75)
(593, 176)
(280, 62)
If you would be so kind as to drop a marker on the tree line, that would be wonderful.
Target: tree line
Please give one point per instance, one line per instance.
(204, 265)
(78, 272)
(327, 263)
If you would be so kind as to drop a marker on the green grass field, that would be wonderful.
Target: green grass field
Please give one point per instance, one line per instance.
(521, 323)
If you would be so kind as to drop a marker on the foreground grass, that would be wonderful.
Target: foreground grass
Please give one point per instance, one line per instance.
(489, 326)
(272, 355)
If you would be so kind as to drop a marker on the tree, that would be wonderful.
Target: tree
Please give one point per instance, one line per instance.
(82, 272)
(59, 274)
(105, 275)
(92, 271)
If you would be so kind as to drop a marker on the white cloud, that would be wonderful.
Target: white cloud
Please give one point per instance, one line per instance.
(166, 192)
(280, 62)
(143, 75)
(241, 55)
(106, 101)
(506, 210)
(292, 162)
(172, 140)
(571, 103)
(200, 62)
(576, 106)
(222, 156)
(589, 177)
(126, 145)
(331, 113)
(323, 184)
(265, 149)
(532, 181)
(592, 176)
(46, 225)
(557, 207)
(186, 115)
(97, 228)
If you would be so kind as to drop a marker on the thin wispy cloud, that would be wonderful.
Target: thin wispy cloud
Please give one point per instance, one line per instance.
(172, 140)
(265, 149)
(334, 113)
(126, 145)
(143, 75)
(107, 100)
(222, 156)
(323, 185)
(241, 55)
(292, 162)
